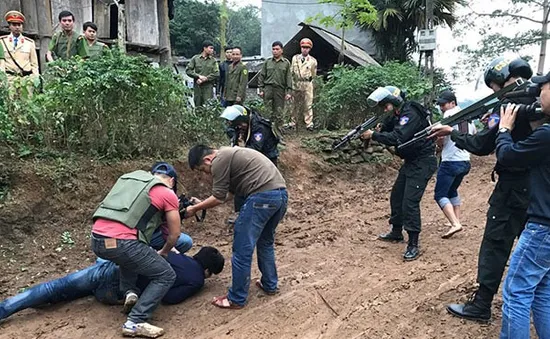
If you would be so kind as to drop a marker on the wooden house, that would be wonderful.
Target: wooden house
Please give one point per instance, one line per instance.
(141, 24)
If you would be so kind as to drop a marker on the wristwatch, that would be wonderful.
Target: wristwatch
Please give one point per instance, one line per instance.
(503, 130)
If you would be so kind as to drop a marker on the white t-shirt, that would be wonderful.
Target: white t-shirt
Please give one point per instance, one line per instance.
(450, 152)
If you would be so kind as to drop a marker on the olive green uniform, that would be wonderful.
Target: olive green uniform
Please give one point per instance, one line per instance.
(1, 59)
(98, 49)
(236, 80)
(275, 81)
(205, 66)
(64, 46)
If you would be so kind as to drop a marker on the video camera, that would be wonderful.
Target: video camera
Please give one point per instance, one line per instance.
(184, 202)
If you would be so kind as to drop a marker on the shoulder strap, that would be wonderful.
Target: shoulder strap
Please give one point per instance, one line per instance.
(11, 56)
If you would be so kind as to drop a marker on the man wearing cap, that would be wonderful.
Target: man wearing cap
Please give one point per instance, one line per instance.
(67, 43)
(124, 224)
(455, 164)
(19, 51)
(526, 288)
(304, 70)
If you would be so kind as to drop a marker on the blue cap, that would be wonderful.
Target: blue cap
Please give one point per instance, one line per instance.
(167, 169)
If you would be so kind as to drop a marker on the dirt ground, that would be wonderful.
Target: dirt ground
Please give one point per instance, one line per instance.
(336, 279)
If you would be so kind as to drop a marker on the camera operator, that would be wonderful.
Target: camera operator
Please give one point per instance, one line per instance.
(508, 203)
(527, 285)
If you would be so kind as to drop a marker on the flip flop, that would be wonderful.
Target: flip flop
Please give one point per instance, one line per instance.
(261, 287)
(223, 302)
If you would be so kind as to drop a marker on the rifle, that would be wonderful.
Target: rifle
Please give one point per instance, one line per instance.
(471, 112)
(355, 132)
(184, 203)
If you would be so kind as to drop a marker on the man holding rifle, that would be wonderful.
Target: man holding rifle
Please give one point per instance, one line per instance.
(508, 203)
(420, 163)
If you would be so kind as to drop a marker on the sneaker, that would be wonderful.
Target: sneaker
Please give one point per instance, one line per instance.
(129, 301)
(130, 329)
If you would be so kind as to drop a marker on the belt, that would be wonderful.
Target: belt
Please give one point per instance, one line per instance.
(16, 74)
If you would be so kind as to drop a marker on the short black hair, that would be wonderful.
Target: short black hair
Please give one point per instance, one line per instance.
(207, 44)
(196, 154)
(239, 48)
(210, 259)
(277, 43)
(227, 48)
(65, 14)
(89, 24)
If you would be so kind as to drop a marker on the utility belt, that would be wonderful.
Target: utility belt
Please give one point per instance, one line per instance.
(23, 74)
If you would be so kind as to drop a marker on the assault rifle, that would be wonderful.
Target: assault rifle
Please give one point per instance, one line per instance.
(184, 203)
(356, 132)
(471, 112)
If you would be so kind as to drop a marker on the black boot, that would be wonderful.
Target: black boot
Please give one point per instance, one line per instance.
(477, 308)
(413, 251)
(395, 235)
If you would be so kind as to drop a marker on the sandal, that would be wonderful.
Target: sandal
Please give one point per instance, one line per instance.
(223, 302)
(261, 287)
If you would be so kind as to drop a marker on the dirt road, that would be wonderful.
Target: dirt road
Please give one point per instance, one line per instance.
(336, 279)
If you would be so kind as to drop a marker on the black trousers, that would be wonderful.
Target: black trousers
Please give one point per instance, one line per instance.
(407, 192)
(506, 219)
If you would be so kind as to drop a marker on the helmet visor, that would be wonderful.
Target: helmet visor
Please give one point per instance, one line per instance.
(377, 96)
(231, 113)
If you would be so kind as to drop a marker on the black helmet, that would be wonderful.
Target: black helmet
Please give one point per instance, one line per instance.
(501, 69)
(384, 95)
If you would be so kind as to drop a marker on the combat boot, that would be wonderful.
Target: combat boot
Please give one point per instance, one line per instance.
(477, 308)
(395, 235)
(413, 250)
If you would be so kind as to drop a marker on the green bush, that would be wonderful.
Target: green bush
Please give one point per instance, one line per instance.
(342, 100)
(117, 106)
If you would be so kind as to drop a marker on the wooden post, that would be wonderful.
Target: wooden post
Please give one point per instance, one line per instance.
(164, 34)
(223, 29)
(121, 27)
(45, 29)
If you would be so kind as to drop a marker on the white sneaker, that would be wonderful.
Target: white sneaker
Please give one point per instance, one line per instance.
(130, 329)
(129, 301)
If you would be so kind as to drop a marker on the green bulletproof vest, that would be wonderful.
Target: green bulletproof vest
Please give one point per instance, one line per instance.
(128, 202)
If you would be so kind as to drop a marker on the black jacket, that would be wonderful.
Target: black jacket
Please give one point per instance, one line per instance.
(397, 130)
(484, 142)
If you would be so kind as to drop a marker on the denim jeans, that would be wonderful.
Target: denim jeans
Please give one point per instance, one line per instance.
(100, 279)
(255, 228)
(134, 257)
(527, 285)
(183, 244)
(449, 177)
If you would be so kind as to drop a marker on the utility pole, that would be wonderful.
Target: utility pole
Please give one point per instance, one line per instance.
(121, 37)
(542, 56)
(429, 25)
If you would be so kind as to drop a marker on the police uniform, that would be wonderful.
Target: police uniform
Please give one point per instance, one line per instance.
(419, 166)
(507, 212)
(67, 45)
(275, 81)
(98, 49)
(205, 66)
(19, 52)
(304, 70)
(236, 80)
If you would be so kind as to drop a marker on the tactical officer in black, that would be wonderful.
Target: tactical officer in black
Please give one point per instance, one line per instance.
(408, 118)
(255, 131)
(506, 216)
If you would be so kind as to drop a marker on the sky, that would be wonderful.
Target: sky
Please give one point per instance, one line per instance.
(446, 54)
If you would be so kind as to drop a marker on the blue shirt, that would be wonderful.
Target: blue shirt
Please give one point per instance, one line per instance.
(189, 278)
(534, 153)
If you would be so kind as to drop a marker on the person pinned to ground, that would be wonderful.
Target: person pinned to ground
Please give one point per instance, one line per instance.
(248, 173)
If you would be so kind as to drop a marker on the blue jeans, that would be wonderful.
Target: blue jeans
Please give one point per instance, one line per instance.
(134, 257)
(100, 279)
(449, 177)
(527, 285)
(183, 244)
(255, 228)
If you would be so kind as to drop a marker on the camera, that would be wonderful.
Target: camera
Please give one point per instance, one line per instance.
(184, 202)
(533, 111)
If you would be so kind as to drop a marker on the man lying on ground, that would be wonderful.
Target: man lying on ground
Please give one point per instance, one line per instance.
(102, 281)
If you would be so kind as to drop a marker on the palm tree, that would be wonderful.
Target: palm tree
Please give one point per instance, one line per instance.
(397, 21)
